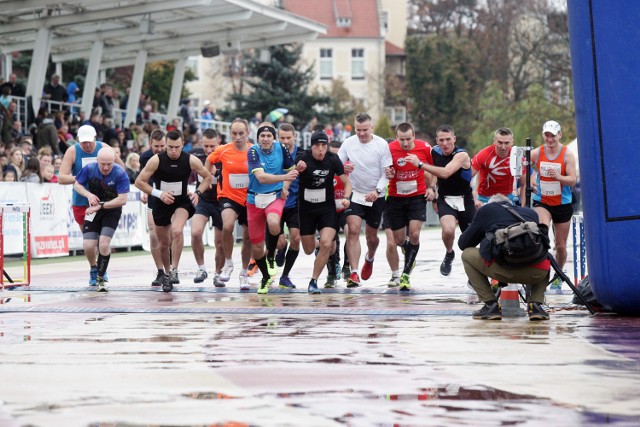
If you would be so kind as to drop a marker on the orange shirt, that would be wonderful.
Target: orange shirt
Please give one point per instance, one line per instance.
(235, 172)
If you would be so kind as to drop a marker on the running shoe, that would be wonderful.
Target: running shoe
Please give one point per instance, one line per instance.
(536, 312)
(405, 285)
(280, 256)
(313, 287)
(100, 286)
(394, 282)
(354, 280)
(217, 282)
(346, 271)
(244, 282)
(200, 277)
(331, 282)
(272, 267)
(173, 277)
(167, 286)
(555, 287)
(158, 280)
(264, 285)
(285, 283)
(445, 267)
(367, 269)
(93, 276)
(252, 268)
(225, 275)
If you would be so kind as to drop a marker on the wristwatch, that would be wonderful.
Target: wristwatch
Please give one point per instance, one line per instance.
(420, 164)
(101, 204)
(379, 191)
(199, 193)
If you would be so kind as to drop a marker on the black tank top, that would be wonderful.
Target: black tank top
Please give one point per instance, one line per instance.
(171, 171)
(458, 184)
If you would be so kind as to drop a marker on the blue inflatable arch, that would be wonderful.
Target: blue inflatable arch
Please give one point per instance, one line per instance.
(605, 55)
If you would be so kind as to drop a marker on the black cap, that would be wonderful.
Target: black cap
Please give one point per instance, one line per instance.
(319, 137)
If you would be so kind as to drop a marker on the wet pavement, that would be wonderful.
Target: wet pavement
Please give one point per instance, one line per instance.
(367, 357)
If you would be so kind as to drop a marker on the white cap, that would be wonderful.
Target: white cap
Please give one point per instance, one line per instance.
(86, 133)
(551, 127)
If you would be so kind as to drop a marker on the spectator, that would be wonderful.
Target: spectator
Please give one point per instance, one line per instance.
(57, 162)
(5, 96)
(32, 171)
(106, 100)
(185, 112)
(72, 88)
(65, 139)
(47, 136)
(133, 166)
(9, 175)
(16, 88)
(16, 162)
(55, 91)
(48, 174)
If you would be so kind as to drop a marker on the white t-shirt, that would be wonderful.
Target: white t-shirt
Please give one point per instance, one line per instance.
(369, 161)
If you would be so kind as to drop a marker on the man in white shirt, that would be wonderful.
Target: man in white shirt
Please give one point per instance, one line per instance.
(369, 158)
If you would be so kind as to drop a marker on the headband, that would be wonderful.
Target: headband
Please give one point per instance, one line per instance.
(265, 128)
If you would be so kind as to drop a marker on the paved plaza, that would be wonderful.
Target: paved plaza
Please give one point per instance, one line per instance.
(371, 356)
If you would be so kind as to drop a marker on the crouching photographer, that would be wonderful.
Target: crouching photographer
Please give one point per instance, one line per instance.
(513, 249)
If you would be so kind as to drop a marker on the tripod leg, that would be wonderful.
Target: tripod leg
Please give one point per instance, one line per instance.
(567, 280)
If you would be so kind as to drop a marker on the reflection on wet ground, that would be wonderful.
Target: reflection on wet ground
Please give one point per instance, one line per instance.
(371, 357)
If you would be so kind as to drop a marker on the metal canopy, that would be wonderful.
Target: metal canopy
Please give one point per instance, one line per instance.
(166, 30)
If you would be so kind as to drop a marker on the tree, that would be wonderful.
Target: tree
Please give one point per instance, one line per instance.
(158, 77)
(280, 82)
(341, 106)
(443, 76)
(525, 117)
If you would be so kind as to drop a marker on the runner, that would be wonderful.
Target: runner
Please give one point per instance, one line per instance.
(106, 187)
(170, 171)
(232, 197)
(316, 199)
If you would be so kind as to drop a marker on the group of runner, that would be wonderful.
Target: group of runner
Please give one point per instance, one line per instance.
(315, 192)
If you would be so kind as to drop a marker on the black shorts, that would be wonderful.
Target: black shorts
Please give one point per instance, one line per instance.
(290, 216)
(464, 217)
(239, 209)
(104, 223)
(313, 221)
(210, 210)
(401, 210)
(162, 212)
(342, 219)
(559, 213)
(371, 214)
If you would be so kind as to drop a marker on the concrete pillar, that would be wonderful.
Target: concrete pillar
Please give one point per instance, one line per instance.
(176, 89)
(136, 87)
(8, 65)
(91, 79)
(38, 69)
(103, 76)
(59, 71)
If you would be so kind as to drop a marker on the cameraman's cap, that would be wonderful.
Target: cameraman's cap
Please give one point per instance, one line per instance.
(86, 133)
(319, 137)
(551, 127)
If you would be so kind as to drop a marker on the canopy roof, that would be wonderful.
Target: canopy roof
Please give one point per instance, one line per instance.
(166, 29)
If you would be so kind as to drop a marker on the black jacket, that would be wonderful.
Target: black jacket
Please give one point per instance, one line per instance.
(489, 218)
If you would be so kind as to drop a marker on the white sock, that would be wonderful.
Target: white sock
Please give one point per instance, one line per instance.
(396, 273)
(228, 262)
(244, 272)
(202, 267)
(367, 258)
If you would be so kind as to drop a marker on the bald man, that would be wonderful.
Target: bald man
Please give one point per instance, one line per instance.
(106, 187)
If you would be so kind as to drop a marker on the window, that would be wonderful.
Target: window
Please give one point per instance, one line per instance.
(326, 64)
(357, 64)
(384, 17)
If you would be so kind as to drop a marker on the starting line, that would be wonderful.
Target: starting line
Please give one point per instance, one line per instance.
(239, 310)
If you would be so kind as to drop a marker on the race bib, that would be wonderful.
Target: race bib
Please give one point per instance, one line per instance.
(214, 180)
(456, 202)
(88, 217)
(264, 200)
(315, 196)
(406, 187)
(546, 167)
(550, 188)
(173, 188)
(359, 198)
(239, 180)
(88, 160)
